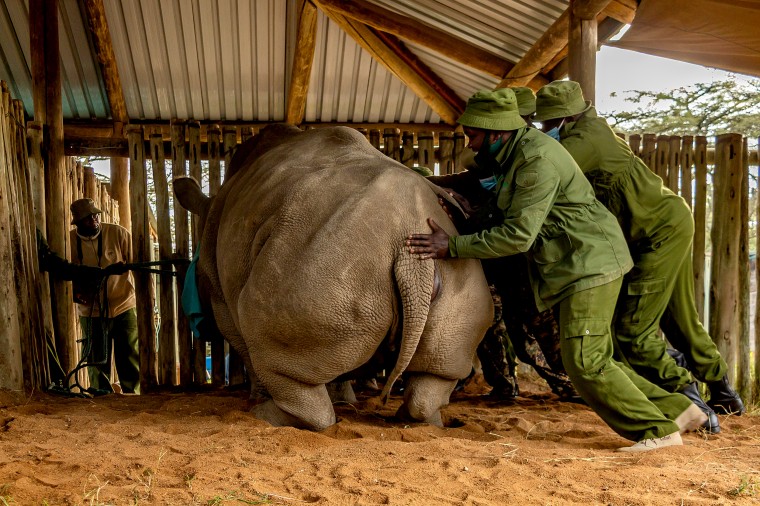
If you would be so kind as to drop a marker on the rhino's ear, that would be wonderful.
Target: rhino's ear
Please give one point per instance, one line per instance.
(190, 196)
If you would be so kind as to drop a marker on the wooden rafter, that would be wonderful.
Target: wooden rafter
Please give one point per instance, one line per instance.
(101, 36)
(306, 42)
(410, 30)
(371, 43)
(553, 42)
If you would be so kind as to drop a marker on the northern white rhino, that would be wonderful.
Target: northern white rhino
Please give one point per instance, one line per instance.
(303, 263)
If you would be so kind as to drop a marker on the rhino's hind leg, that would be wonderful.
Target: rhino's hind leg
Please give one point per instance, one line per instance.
(424, 396)
(296, 404)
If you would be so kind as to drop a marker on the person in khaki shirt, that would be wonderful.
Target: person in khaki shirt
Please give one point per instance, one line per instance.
(578, 257)
(106, 310)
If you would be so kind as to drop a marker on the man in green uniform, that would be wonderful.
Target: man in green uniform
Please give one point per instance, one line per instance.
(522, 331)
(578, 258)
(659, 229)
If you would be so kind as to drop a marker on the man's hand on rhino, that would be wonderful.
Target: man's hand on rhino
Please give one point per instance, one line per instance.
(435, 245)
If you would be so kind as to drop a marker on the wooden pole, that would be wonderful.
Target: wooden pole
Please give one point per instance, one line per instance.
(686, 163)
(392, 143)
(446, 152)
(167, 344)
(374, 138)
(182, 250)
(120, 189)
(634, 141)
(407, 149)
(582, 43)
(700, 222)
(726, 230)
(138, 183)
(674, 160)
(459, 145)
(214, 159)
(229, 143)
(756, 385)
(744, 363)
(649, 151)
(426, 150)
(194, 157)
(661, 157)
(89, 183)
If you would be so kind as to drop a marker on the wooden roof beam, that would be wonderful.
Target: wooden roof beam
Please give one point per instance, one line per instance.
(418, 33)
(371, 43)
(549, 45)
(101, 37)
(303, 58)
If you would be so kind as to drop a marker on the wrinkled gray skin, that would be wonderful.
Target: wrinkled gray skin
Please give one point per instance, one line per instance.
(303, 263)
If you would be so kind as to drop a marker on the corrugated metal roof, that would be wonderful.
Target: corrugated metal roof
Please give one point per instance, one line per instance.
(230, 60)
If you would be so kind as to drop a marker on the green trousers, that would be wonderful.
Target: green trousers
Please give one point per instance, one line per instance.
(632, 406)
(659, 293)
(122, 332)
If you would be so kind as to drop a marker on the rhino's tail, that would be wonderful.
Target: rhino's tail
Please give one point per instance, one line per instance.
(415, 281)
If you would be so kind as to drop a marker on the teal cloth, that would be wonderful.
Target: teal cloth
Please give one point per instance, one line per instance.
(191, 299)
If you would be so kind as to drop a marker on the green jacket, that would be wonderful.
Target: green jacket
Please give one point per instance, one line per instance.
(551, 214)
(644, 207)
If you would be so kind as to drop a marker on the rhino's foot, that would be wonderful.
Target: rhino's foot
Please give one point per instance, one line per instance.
(424, 396)
(403, 415)
(341, 391)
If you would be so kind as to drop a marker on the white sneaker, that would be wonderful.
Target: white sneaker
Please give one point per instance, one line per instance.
(691, 419)
(654, 443)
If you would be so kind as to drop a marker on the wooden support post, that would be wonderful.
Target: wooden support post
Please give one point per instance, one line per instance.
(582, 43)
(194, 157)
(214, 159)
(426, 150)
(407, 149)
(726, 229)
(392, 143)
(634, 142)
(48, 111)
(138, 185)
(674, 160)
(743, 369)
(90, 183)
(686, 163)
(120, 189)
(661, 157)
(756, 385)
(459, 145)
(182, 250)
(167, 344)
(374, 138)
(446, 152)
(649, 151)
(700, 222)
(229, 144)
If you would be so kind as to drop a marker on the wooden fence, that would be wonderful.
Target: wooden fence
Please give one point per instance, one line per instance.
(174, 358)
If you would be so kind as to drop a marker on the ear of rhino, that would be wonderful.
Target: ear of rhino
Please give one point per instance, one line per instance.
(190, 196)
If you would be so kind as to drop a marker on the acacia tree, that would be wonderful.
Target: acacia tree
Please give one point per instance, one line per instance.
(701, 109)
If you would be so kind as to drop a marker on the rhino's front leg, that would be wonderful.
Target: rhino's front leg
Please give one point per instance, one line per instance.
(424, 396)
(296, 404)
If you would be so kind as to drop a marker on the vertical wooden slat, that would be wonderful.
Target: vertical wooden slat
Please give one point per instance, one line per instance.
(661, 157)
(743, 370)
(700, 222)
(194, 157)
(725, 235)
(214, 159)
(246, 133)
(426, 150)
(229, 144)
(649, 151)
(392, 143)
(167, 347)
(138, 183)
(634, 142)
(459, 145)
(407, 149)
(674, 161)
(89, 183)
(374, 138)
(756, 385)
(446, 152)
(687, 163)
(181, 250)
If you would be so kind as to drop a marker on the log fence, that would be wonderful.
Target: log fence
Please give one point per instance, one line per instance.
(170, 356)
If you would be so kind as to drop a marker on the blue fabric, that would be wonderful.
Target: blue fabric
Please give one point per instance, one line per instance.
(191, 300)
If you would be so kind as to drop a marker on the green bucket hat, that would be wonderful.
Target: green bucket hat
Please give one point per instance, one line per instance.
(492, 110)
(526, 100)
(560, 99)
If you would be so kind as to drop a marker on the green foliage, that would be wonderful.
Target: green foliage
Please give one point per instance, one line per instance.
(746, 488)
(701, 109)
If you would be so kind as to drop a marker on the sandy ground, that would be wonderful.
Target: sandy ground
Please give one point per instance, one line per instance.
(207, 449)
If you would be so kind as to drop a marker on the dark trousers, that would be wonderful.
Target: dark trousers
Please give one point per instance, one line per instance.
(122, 332)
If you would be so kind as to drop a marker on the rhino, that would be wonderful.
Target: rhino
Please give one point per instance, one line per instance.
(304, 268)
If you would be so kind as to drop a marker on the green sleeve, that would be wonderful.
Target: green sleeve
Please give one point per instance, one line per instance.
(583, 152)
(536, 187)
